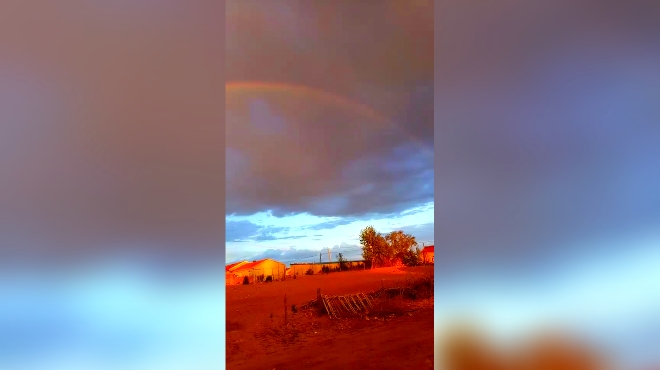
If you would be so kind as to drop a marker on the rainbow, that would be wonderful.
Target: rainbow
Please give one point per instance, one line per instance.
(259, 87)
(241, 87)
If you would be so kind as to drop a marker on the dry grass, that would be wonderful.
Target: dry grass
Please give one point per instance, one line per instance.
(393, 301)
(402, 299)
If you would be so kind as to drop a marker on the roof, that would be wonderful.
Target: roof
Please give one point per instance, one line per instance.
(232, 266)
(428, 249)
(253, 264)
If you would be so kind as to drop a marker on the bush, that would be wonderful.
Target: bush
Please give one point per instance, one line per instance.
(269, 279)
(246, 281)
(325, 269)
(309, 271)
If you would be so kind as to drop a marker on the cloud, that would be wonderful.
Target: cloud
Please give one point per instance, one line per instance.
(329, 225)
(294, 255)
(295, 153)
(291, 178)
(423, 233)
(266, 237)
(240, 230)
(246, 231)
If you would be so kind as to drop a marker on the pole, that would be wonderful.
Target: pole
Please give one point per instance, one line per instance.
(320, 257)
(329, 259)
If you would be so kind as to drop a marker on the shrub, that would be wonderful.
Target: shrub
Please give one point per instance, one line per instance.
(246, 281)
(269, 279)
(325, 269)
(310, 271)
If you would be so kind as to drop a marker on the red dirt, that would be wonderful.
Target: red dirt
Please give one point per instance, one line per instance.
(255, 340)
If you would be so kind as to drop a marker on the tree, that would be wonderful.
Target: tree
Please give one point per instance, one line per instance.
(400, 247)
(412, 257)
(374, 246)
(342, 261)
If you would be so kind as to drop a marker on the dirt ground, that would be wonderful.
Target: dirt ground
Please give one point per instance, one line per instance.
(259, 338)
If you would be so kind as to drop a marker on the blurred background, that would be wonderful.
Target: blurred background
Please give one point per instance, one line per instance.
(111, 184)
(547, 176)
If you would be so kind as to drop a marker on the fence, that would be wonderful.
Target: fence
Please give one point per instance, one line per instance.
(300, 269)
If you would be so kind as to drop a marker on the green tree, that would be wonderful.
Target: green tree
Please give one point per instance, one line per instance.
(374, 246)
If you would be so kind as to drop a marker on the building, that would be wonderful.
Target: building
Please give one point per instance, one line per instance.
(428, 254)
(257, 271)
(302, 268)
(233, 266)
(230, 277)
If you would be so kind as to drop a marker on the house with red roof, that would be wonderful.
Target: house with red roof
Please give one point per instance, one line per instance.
(428, 254)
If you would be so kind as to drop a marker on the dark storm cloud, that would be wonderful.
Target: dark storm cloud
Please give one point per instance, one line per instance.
(111, 127)
(285, 181)
(332, 44)
(293, 154)
(546, 123)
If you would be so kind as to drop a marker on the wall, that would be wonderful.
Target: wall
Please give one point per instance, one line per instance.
(232, 279)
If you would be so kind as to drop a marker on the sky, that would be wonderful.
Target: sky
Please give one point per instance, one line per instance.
(329, 113)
